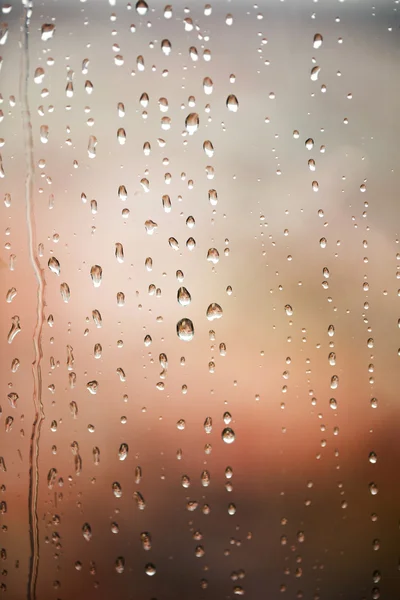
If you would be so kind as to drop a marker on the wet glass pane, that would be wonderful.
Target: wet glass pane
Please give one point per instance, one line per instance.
(200, 282)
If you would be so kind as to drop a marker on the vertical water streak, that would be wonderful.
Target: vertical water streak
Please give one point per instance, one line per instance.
(33, 253)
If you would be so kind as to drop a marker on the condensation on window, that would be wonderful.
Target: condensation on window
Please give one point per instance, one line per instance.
(200, 323)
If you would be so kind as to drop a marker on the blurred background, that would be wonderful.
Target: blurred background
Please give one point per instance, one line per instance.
(155, 161)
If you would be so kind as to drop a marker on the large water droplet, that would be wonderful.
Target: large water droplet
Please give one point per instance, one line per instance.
(123, 451)
(185, 330)
(192, 123)
(214, 311)
(96, 273)
(228, 435)
(141, 7)
(47, 31)
(232, 103)
(184, 297)
(317, 42)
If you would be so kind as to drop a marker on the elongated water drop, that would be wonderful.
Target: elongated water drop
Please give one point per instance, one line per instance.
(123, 451)
(192, 123)
(317, 42)
(232, 103)
(12, 292)
(121, 135)
(208, 85)
(87, 532)
(140, 502)
(185, 330)
(65, 292)
(98, 321)
(92, 146)
(96, 273)
(145, 538)
(117, 489)
(119, 252)
(184, 297)
(47, 31)
(54, 265)
(208, 148)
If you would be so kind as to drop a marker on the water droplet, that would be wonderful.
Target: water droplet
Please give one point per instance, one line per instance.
(122, 193)
(123, 451)
(231, 509)
(39, 72)
(228, 435)
(205, 478)
(141, 7)
(12, 292)
(120, 564)
(207, 85)
(309, 144)
(96, 273)
(208, 425)
(213, 197)
(166, 202)
(193, 53)
(173, 243)
(54, 265)
(47, 31)
(232, 103)
(92, 386)
(373, 488)
(166, 47)
(184, 297)
(315, 73)
(150, 569)
(334, 382)
(96, 455)
(98, 321)
(213, 256)
(51, 478)
(87, 532)
(121, 136)
(191, 243)
(140, 502)
(117, 489)
(150, 227)
(192, 123)
(92, 146)
(214, 311)
(317, 42)
(227, 418)
(208, 148)
(65, 292)
(288, 310)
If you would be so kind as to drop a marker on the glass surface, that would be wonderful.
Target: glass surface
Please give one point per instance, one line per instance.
(200, 282)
